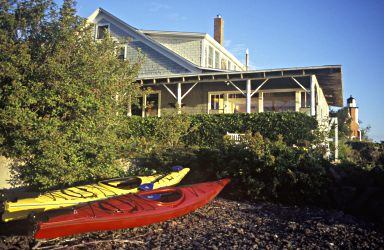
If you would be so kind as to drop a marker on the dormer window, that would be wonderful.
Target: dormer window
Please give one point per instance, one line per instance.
(217, 60)
(210, 57)
(102, 31)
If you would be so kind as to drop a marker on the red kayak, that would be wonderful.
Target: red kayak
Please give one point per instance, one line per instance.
(132, 210)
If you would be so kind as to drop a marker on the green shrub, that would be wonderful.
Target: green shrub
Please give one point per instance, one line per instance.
(297, 128)
(208, 130)
(62, 95)
(259, 168)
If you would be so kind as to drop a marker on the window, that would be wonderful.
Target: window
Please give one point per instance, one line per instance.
(121, 53)
(229, 65)
(217, 60)
(217, 103)
(152, 106)
(223, 64)
(279, 101)
(102, 31)
(305, 99)
(210, 57)
(237, 103)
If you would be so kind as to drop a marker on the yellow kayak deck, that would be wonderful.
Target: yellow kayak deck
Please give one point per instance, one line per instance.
(75, 195)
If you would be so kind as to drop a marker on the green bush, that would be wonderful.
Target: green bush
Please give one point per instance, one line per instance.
(259, 168)
(297, 128)
(205, 130)
(62, 95)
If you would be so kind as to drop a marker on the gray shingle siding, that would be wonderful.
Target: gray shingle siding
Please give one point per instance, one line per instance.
(189, 48)
(154, 62)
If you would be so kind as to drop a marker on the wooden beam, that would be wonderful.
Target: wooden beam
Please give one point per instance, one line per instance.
(169, 90)
(234, 85)
(189, 90)
(298, 83)
(258, 88)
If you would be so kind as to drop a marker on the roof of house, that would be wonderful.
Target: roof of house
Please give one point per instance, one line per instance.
(145, 36)
(329, 78)
(197, 35)
(148, 41)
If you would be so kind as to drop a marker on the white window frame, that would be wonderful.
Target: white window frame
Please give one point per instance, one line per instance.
(213, 57)
(125, 50)
(227, 92)
(219, 59)
(144, 105)
(97, 29)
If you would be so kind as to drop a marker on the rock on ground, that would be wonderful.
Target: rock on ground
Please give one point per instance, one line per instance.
(228, 224)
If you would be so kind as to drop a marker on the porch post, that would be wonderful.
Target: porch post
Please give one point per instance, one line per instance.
(179, 98)
(261, 102)
(297, 101)
(248, 95)
(226, 104)
(144, 105)
(313, 101)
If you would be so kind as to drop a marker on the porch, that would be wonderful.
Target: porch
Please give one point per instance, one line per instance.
(310, 90)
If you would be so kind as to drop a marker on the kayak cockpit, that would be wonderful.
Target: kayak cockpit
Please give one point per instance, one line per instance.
(123, 183)
(169, 196)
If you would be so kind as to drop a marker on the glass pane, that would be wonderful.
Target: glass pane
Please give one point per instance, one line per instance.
(237, 103)
(305, 99)
(217, 102)
(223, 64)
(217, 60)
(284, 101)
(255, 103)
(210, 57)
(152, 107)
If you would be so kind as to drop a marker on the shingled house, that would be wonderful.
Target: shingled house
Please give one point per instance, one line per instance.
(191, 73)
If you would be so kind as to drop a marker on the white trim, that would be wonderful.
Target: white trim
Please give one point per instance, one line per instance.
(173, 33)
(248, 97)
(219, 47)
(144, 104)
(125, 50)
(225, 93)
(313, 95)
(202, 55)
(97, 29)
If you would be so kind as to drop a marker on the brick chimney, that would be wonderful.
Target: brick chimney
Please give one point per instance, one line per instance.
(219, 29)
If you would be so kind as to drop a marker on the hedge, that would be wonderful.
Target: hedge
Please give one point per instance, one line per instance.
(208, 130)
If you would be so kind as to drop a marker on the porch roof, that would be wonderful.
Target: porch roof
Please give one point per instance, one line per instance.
(329, 78)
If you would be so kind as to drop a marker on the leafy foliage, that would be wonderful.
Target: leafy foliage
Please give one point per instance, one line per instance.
(207, 130)
(260, 168)
(62, 94)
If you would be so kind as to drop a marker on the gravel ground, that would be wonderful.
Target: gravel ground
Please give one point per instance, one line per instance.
(228, 224)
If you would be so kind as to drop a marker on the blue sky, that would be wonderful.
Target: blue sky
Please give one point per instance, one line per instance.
(282, 34)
